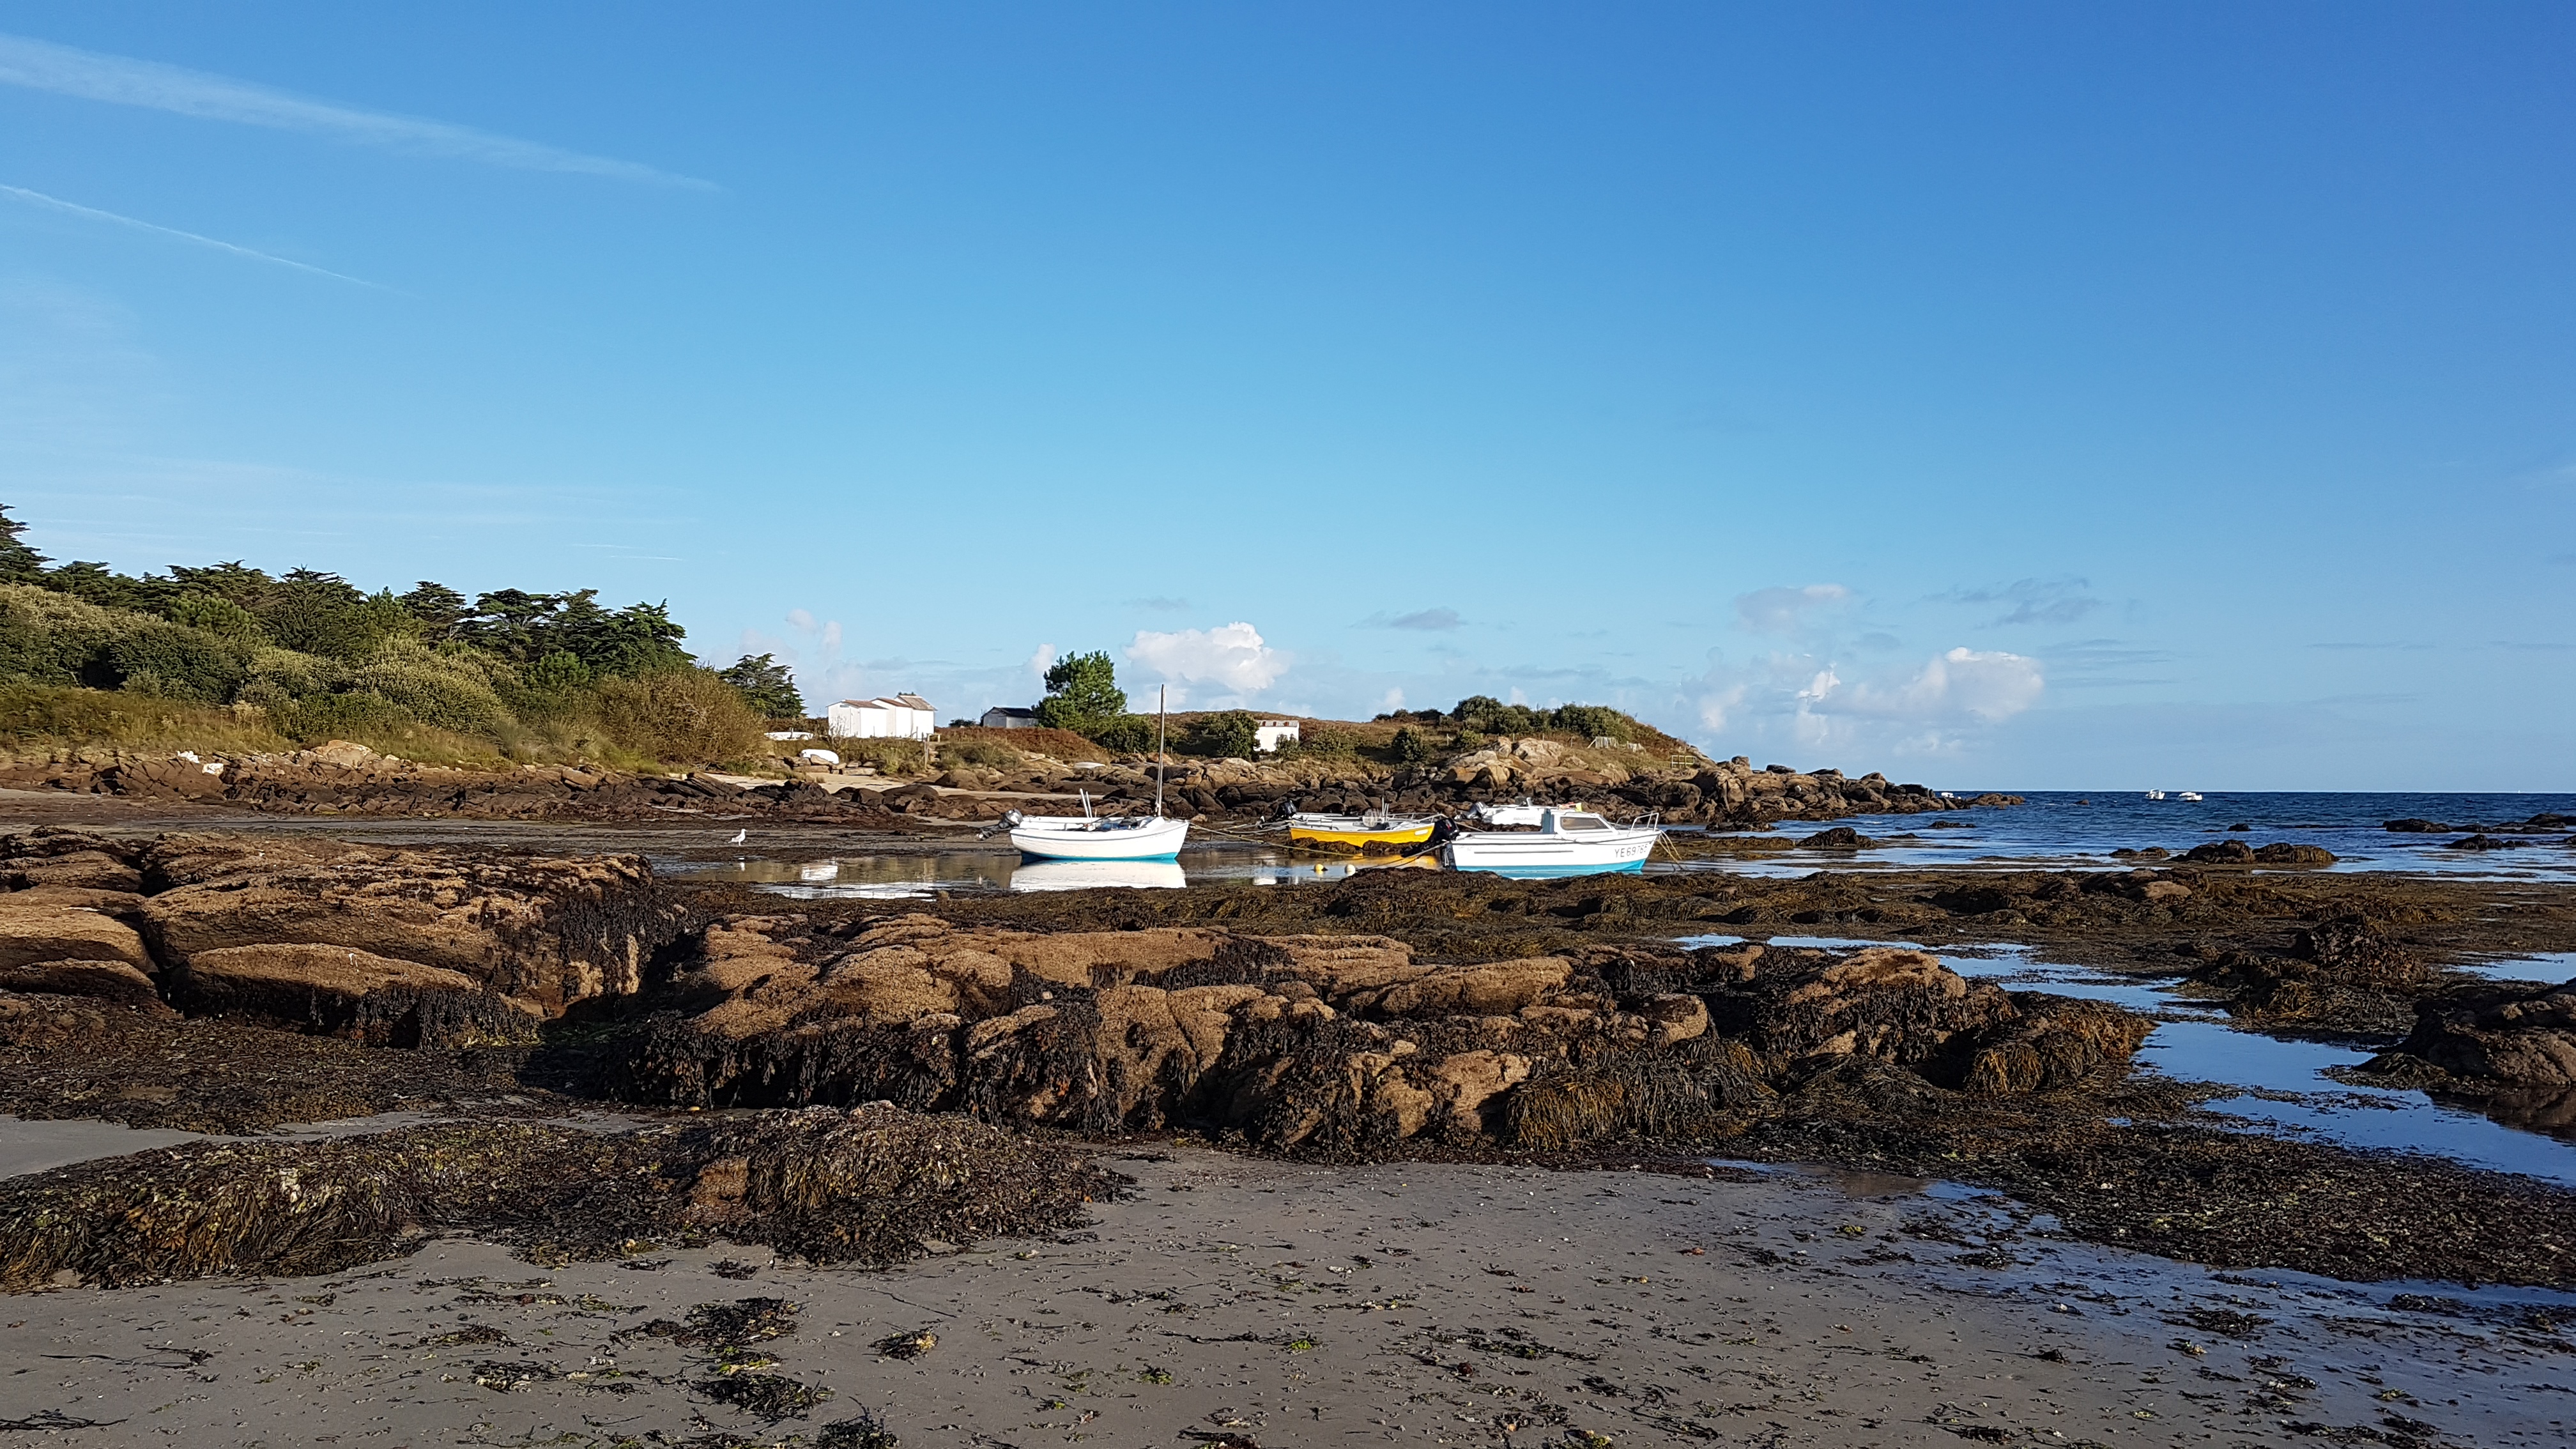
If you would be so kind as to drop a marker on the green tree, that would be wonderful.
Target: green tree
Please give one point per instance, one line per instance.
(438, 608)
(19, 564)
(1414, 747)
(768, 686)
(1233, 735)
(1082, 694)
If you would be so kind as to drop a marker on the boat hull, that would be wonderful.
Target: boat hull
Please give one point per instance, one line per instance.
(1093, 875)
(1075, 838)
(1534, 855)
(1346, 830)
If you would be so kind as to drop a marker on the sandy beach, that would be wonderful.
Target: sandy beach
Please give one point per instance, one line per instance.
(1237, 1301)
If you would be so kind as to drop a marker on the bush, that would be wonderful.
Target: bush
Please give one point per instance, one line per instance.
(33, 714)
(1128, 734)
(351, 716)
(51, 638)
(1415, 747)
(991, 753)
(891, 757)
(1232, 735)
(172, 661)
(679, 716)
(451, 690)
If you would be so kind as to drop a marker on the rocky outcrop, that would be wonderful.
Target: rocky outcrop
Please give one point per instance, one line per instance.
(548, 932)
(2341, 973)
(336, 991)
(2507, 1038)
(346, 778)
(390, 947)
(2237, 852)
(1319, 1044)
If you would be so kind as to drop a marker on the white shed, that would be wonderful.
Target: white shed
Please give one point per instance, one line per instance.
(1270, 734)
(888, 717)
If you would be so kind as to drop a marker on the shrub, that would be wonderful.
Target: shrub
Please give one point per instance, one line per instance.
(972, 750)
(892, 757)
(679, 716)
(172, 661)
(217, 615)
(1415, 747)
(1232, 734)
(350, 716)
(46, 713)
(452, 690)
(51, 638)
(1128, 734)
(278, 677)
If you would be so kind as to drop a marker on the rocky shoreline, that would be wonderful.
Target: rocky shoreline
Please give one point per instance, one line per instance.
(341, 778)
(236, 983)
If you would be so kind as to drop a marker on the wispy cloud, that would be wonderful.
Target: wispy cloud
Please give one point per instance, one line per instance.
(1160, 604)
(120, 80)
(92, 213)
(1791, 612)
(1430, 620)
(2033, 601)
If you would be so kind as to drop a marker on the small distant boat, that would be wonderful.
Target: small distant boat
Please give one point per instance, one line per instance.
(1362, 831)
(1568, 841)
(2155, 794)
(2188, 795)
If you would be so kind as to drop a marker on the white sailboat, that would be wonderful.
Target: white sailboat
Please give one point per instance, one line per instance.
(2188, 795)
(2155, 794)
(1568, 841)
(1104, 837)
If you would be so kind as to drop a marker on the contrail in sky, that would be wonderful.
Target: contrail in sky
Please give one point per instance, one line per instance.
(39, 65)
(56, 203)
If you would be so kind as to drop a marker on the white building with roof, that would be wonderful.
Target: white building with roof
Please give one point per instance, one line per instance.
(888, 717)
(1270, 734)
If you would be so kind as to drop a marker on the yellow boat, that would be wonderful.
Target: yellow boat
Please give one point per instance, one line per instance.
(1362, 831)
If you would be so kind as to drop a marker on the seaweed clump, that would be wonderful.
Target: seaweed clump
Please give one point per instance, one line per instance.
(869, 1187)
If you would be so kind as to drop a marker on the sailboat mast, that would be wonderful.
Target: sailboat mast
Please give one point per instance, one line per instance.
(1160, 691)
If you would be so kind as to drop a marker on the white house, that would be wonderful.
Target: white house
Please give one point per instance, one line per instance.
(892, 717)
(1270, 734)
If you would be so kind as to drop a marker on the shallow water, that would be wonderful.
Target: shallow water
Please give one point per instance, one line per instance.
(919, 877)
(2064, 828)
(2193, 1042)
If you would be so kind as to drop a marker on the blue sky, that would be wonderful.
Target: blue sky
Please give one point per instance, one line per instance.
(2002, 396)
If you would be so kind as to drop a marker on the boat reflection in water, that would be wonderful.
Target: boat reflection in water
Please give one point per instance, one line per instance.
(1084, 875)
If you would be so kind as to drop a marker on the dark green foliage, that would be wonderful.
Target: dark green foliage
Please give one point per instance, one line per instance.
(1231, 735)
(1083, 695)
(217, 615)
(1485, 714)
(19, 564)
(1128, 734)
(523, 628)
(1414, 746)
(768, 686)
(172, 661)
(438, 610)
(339, 716)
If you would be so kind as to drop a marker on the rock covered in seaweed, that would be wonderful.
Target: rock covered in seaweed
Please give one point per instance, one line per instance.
(868, 1186)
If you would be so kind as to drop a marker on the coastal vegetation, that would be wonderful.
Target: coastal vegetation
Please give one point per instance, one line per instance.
(230, 657)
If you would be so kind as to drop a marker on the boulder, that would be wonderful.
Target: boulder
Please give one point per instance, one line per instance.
(1896, 1005)
(2286, 853)
(37, 930)
(113, 981)
(2052, 1042)
(337, 991)
(2221, 852)
(79, 859)
(2506, 1037)
(549, 932)
(1840, 837)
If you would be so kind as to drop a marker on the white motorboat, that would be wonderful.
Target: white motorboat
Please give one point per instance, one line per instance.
(2188, 795)
(1568, 841)
(1089, 875)
(1104, 837)
(2155, 794)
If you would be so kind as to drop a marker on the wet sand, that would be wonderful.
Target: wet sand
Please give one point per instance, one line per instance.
(1239, 1301)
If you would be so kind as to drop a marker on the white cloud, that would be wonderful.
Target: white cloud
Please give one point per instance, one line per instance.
(119, 80)
(1787, 611)
(1041, 661)
(1970, 684)
(1390, 702)
(1231, 656)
